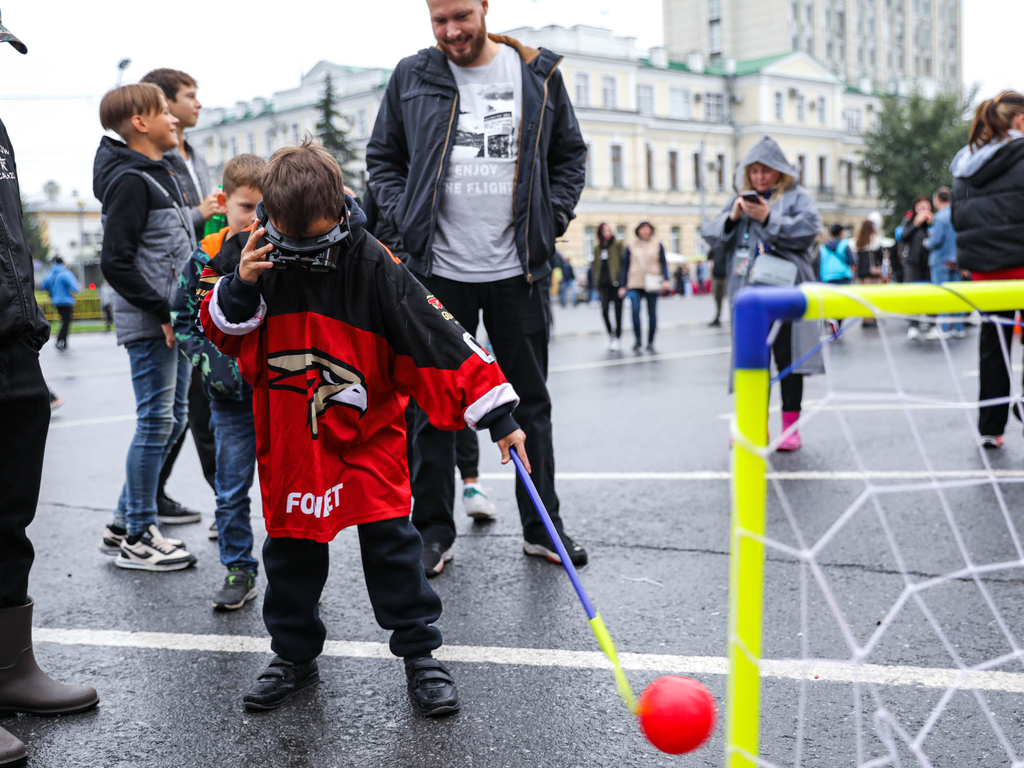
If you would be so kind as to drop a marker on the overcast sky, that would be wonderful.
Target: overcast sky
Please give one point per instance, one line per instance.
(49, 99)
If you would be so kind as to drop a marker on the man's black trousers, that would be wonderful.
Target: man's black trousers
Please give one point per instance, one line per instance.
(65, 312)
(516, 318)
(402, 600)
(24, 422)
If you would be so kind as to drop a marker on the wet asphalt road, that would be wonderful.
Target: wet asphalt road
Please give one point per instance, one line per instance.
(658, 573)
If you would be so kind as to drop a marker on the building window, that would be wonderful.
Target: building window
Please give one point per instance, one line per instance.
(590, 166)
(234, 147)
(801, 107)
(854, 122)
(849, 179)
(617, 175)
(714, 9)
(268, 140)
(589, 241)
(250, 143)
(801, 165)
(822, 172)
(675, 240)
(715, 38)
(714, 107)
(779, 106)
(361, 131)
(720, 163)
(295, 133)
(679, 103)
(609, 98)
(650, 167)
(697, 175)
(582, 80)
(822, 116)
(673, 170)
(645, 99)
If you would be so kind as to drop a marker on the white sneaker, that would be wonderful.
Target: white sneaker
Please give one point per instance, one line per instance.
(616, 345)
(608, 343)
(935, 334)
(476, 503)
(153, 552)
(913, 334)
(961, 334)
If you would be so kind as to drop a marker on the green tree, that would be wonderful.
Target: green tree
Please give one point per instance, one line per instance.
(909, 151)
(331, 136)
(35, 232)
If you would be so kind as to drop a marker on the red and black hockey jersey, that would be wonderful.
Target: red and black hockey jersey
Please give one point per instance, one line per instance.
(332, 360)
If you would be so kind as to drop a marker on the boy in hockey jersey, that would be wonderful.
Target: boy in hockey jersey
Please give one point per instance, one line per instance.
(231, 419)
(333, 358)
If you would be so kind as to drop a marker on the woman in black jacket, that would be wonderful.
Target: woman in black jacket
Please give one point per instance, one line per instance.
(988, 216)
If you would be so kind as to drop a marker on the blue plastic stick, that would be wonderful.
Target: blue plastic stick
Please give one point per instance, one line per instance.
(555, 538)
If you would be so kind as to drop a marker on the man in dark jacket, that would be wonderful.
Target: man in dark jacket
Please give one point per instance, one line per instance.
(25, 419)
(719, 282)
(477, 159)
(914, 252)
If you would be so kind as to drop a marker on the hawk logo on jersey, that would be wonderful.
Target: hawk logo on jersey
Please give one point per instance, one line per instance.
(435, 302)
(325, 380)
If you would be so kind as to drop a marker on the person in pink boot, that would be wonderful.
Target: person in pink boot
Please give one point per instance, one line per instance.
(768, 233)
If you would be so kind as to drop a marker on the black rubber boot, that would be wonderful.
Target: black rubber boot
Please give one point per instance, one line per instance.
(12, 751)
(23, 686)
(279, 682)
(431, 687)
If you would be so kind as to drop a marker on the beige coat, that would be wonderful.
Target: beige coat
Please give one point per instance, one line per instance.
(644, 257)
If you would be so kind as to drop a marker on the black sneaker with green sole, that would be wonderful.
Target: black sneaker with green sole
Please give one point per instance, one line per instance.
(239, 588)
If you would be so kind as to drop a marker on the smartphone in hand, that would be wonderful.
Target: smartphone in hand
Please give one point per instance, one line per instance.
(751, 197)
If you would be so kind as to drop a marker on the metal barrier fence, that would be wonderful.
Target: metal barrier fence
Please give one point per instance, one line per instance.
(87, 306)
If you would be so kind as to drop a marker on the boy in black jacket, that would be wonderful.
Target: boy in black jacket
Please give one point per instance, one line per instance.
(333, 358)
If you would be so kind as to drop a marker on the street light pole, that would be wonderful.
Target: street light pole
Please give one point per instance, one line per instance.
(81, 242)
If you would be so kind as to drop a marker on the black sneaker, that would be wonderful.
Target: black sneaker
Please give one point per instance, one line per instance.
(637, 347)
(434, 558)
(239, 588)
(279, 682)
(716, 323)
(113, 535)
(431, 687)
(213, 533)
(170, 512)
(650, 349)
(542, 547)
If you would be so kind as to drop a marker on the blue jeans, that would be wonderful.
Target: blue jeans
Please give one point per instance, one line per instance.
(160, 377)
(652, 314)
(234, 435)
(943, 274)
(567, 290)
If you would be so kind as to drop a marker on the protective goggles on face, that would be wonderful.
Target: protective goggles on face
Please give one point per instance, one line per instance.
(317, 254)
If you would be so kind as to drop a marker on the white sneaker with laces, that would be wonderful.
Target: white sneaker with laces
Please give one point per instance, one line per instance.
(477, 504)
(936, 334)
(616, 344)
(609, 343)
(913, 334)
(153, 552)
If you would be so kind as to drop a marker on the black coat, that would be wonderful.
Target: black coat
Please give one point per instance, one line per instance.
(988, 213)
(408, 153)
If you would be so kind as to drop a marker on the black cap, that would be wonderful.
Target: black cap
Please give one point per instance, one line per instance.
(836, 230)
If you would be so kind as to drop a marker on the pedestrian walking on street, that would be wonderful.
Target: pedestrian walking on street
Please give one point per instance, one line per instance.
(482, 248)
(913, 253)
(607, 264)
(942, 259)
(770, 236)
(107, 305)
(147, 239)
(988, 216)
(62, 285)
(719, 283)
(870, 256)
(567, 283)
(836, 259)
(25, 404)
(644, 276)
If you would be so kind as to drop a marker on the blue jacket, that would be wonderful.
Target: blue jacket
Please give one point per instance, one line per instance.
(410, 148)
(62, 286)
(942, 239)
(837, 261)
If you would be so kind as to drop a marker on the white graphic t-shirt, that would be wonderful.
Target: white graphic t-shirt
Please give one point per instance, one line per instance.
(475, 237)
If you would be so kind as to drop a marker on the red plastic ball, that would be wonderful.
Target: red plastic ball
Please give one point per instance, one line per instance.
(677, 714)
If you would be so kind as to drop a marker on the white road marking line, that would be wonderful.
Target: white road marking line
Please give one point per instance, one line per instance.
(877, 407)
(542, 657)
(91, 422)
(975, 373)
(941, 474)
(637, 360)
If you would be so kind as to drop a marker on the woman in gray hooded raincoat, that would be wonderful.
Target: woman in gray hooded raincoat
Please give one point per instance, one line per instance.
(784, 224)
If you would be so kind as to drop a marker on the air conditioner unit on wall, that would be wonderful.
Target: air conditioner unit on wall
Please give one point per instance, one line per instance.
(793, 93)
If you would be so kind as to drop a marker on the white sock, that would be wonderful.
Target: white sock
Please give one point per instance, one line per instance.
(473, 486)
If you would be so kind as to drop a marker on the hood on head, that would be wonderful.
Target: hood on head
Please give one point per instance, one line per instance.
(112, 159)
(766, 152)
(968, 162)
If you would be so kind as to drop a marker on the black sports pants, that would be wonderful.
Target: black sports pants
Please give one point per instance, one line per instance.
(516, 317)
(24, 422)
(402, 600)
(994, 378)
(793, 385)
(65, 313)
(610, 296)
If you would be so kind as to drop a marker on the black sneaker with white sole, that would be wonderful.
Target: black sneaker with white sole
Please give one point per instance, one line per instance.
(434, 558)
(150, 551)
(239, 588)
(213, 533)
(170, 512)
(542, 547)
(113, 535)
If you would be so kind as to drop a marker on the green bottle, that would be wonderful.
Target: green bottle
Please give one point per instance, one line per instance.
(216, 223)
